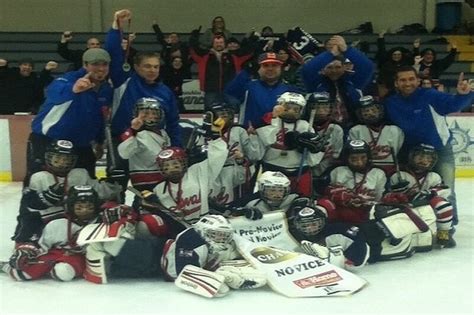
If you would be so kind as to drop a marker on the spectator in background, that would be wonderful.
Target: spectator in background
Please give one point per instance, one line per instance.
(217, 28)
(430, 66)
(291, 70)
(233, 44)
(172, 46)
(22, 89)
(420, 113)
(75, 56)
(73, 111)
(173, 76)
(216, 66)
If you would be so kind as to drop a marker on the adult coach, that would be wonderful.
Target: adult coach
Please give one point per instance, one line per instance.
(73, 111)
(421, 113)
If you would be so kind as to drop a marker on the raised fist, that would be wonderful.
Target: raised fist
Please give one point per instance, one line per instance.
(51, 65)
(123, 15)
(3, 62)
(66, 36)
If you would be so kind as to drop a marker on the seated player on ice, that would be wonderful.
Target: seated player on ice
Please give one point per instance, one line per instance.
(42, 201)
(417, 184)
(56, 253)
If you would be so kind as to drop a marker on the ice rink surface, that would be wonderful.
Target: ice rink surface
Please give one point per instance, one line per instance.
(438, 282)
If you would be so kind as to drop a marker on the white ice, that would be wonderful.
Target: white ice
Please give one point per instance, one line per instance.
(438, 282)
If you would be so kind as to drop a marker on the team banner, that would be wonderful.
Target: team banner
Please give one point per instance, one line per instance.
(271, 230)
(298, 275)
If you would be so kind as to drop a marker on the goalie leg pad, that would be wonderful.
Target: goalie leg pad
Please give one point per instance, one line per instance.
(403, 249)
(96, 261)
(245, 277)
(202, 282)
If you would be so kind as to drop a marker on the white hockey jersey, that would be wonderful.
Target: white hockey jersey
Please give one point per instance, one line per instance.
(430, 181)
(141, 151)
(380, 142)
(60, 233)
(335, 139)
(273, 150)
(370, 184)
(261, 205)
(189, 197)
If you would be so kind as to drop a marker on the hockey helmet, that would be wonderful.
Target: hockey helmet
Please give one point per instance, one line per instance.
(293, 104)
(214, 229)
(172, 162)
(357, 155)
(274, 187)
(82, 204)
(60, 157)
(310, 221)
(151, 111)
(369, 111)
(323, 106)
(422, 158)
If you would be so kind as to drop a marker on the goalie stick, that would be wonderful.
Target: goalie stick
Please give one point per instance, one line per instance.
(106, 113)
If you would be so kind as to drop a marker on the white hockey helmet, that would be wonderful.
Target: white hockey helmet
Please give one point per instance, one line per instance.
(273, 187)
(293, 103)
(214, 229)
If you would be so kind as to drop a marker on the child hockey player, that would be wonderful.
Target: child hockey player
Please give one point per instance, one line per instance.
(384, 140)
(56, 252)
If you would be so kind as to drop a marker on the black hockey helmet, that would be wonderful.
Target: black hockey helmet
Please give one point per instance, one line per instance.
(369, 111)
(422, 158)
(322, 103)
(82, 203)
(60, 157)
(351, 153)
(223, 110)
(310, 221)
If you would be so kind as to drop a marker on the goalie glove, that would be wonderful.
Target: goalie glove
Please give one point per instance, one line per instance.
(201, 282)
(253, 214)
(242, 277)
(24, 255)
(333, 254)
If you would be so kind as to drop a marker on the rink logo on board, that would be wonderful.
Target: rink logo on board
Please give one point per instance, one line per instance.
(319, 280)
(269, 255)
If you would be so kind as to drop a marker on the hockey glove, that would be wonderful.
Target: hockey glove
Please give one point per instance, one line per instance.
(23, 255)
(116, 176)
(401, 186)
(245, 277)
(311, 141)
(253, 214)
(54, 194)
(333, 254)
(114, 214)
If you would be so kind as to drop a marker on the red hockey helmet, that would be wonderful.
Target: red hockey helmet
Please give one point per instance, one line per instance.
(172, 163)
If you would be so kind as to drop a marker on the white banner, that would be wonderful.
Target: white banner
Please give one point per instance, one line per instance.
(299, 275)
(271, 230)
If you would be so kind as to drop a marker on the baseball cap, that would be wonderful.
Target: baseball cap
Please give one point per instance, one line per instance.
(94, 55)
(269, 57)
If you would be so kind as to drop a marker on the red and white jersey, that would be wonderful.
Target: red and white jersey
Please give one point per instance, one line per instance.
(141, 151)
(189, 197)
(371, 184)
(380, 142)
(273, 150)
(429, 181)
(60, 234)
(335, 139)
(232, 175)
(237, 138)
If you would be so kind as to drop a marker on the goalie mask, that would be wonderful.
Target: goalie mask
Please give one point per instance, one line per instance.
(224, 111)
(151, 111)
(323, 106)
(422, 158)
(310, 222)
(60, 157)
(274, 187)
(293, 104)
(214, 229)
(172, 163)
(82, 204)
(357, 155)
(369, 112)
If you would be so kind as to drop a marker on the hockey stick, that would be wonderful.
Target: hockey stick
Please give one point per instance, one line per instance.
(401, 181)
(158, 206)
(305, 150)
(107, 113)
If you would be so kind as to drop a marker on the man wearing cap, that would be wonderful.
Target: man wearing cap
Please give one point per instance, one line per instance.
(73, 111)
(258, 96)
(21, 89)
